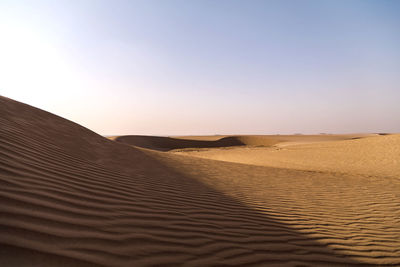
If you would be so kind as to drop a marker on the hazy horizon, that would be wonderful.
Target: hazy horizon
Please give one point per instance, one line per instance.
(206, 67)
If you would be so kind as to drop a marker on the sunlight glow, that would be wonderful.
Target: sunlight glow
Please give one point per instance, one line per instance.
(32, 68)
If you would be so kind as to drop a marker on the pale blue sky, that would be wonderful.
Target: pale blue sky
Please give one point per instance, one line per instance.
(206, 67)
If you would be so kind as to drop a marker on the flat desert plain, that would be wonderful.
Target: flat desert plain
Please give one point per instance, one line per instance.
(70, 197)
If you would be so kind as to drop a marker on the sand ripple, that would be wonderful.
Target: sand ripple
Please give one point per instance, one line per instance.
(72, 198)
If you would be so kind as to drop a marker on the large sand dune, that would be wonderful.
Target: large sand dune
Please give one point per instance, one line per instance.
(70, 197)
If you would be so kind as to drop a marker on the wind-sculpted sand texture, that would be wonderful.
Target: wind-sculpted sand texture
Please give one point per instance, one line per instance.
(354, 215)
(70, 197)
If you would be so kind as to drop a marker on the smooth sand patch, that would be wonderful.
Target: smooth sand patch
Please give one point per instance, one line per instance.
(374, 155)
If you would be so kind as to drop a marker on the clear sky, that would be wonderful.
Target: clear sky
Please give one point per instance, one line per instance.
(206, 67)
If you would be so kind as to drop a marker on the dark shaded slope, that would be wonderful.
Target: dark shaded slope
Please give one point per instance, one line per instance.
(168, 143)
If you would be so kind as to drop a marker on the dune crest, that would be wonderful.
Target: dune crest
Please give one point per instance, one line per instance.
(70, 197)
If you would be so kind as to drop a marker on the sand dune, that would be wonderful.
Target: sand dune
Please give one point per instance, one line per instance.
(169, 143)
(70, 197)
(182, 142)
(377, 155)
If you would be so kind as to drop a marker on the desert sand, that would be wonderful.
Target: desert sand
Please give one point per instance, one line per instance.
(371, 155)
(70, 197)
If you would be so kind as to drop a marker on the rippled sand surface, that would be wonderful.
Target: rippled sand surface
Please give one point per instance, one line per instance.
(70, 197)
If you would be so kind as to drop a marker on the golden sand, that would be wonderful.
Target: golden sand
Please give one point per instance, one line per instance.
(70, 197)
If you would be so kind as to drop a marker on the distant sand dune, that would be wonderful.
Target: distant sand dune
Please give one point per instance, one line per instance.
(70, 197)
(170, 143)
(371, 155)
